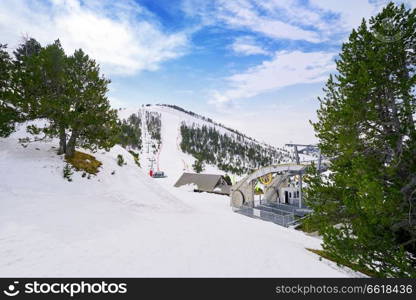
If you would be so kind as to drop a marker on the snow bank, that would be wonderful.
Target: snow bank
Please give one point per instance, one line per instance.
(129, 224)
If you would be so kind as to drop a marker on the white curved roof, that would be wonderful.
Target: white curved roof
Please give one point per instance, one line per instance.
(272, 169)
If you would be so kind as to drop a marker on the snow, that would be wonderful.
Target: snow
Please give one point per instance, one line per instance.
(131, 225)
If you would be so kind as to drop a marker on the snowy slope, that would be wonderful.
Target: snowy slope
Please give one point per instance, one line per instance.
(128, 224)
(170, 158)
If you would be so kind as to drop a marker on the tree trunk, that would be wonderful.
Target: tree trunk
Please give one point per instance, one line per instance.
(70, 147)
(62, 141)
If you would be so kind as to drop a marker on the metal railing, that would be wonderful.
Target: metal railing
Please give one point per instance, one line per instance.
(295, 202)
(280, 206)
(292, 207)
(276, 216)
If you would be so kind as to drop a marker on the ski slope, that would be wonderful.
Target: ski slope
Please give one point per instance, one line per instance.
(129, 224)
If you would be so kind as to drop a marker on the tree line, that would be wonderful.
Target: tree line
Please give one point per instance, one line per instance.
(209, 120)
(229, 152)
(131, 132)
(154, 125)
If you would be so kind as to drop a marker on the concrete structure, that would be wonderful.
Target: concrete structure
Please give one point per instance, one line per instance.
(289, 195)
(282, 199)
(210, 183)
(242, 193)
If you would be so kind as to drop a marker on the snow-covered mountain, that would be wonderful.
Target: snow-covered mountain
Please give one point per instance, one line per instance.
(121, 222)
(185, 137)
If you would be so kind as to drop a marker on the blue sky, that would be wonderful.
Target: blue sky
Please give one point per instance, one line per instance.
(256, 65)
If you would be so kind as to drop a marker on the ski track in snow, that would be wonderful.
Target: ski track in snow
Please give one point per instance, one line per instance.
(129, 224)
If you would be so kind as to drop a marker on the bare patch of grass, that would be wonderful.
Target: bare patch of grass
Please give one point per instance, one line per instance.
(84, 162)
(324, 254)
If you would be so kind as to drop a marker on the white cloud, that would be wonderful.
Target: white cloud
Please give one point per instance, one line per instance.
(122, 36)
(350, 12)
(247, 46)
(294, 12)
(255, 16)
(313, 21)
(244, 14)
(346, 15)
(284, 69)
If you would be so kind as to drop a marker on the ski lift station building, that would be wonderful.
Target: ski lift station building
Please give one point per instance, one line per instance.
(210, 183)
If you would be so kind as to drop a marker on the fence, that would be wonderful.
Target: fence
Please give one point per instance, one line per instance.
(269, 214)
(288, 207)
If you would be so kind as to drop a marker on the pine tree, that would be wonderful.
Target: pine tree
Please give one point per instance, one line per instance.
(71, 95)
(16, 103)
(26, 89)
(28, 48)
(198, 166)
(90, 120)
(8, 113)
(366, 126)
(45, 90)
